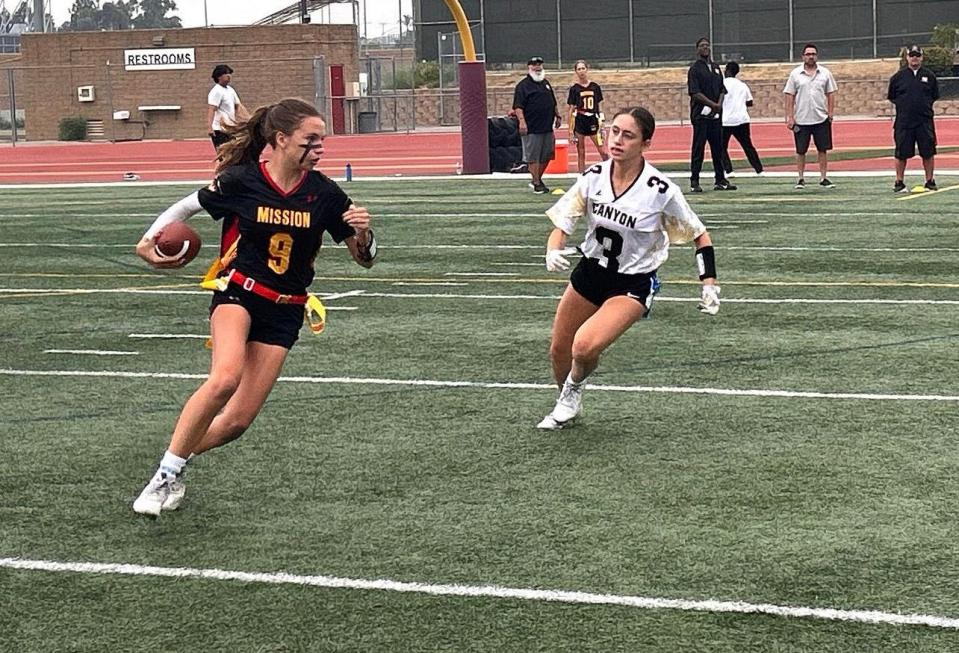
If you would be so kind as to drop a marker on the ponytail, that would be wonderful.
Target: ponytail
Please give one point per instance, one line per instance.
(247, 142)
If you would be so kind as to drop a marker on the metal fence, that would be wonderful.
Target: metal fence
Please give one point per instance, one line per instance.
(647, 33)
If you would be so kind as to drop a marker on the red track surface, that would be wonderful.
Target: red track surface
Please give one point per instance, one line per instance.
(408, 154)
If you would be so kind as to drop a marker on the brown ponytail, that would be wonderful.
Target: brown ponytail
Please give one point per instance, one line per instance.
(251, 137)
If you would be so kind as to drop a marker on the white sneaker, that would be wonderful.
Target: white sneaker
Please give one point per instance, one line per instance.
(151, 499)
(568, 406)
(175, 495)
(549, 423)
(570, 402)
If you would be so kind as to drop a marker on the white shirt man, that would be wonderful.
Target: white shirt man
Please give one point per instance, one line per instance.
(223, 105)
(810, 98)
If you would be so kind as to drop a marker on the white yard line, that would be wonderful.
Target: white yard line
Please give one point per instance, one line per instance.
(538, 247)
(362, 294)
(501, 385)
(487, 591)
(91, 352)
(169, 336)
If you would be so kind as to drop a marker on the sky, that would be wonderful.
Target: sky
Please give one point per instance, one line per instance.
(382, 16)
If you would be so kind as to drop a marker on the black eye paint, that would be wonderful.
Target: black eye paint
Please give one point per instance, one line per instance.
(311, 144)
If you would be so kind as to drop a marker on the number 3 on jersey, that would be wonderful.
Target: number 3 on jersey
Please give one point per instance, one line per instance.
(612, 244)
(281, 245)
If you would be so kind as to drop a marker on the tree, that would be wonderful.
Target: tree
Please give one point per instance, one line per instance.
(83, 16)
(89, 15)
(153, 14)
(116, 15)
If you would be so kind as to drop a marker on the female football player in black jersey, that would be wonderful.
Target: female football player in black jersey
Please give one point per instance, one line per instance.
(276, 212)
(633, 213)
(583, 100)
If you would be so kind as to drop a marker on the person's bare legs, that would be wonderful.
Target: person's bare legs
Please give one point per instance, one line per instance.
(264, 363)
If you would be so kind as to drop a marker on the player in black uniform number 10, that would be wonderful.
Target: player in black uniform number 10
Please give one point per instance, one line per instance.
(275, 212)
(584, 115)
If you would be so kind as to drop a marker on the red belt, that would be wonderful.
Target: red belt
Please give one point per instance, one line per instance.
(257, 288)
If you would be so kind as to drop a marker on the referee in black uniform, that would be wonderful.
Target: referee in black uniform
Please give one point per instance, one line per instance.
(705, 84)
(913, 90)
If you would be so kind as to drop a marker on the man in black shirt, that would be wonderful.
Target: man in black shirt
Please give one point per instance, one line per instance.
(913, 90)
(705, 84)
(536, 110)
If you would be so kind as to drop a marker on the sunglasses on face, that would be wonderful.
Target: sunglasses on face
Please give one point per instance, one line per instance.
(915, 54)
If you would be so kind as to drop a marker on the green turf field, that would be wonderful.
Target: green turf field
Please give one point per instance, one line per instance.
(797, 450)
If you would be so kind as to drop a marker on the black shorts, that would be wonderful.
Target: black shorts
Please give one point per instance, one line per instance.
(597, 284)
(907, 138)
(219, 138)
(271, 324)
(586, 125)
(821, 134)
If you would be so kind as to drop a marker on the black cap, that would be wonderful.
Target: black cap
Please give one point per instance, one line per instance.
(914, 49)
(221, 69)
(535, 61)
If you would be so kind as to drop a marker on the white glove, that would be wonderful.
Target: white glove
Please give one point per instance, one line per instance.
(555, 261)
(709, 302)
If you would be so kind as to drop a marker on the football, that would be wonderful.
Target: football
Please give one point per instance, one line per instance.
(178, 241)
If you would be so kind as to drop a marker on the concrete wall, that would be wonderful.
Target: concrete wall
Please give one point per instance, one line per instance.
(270, 62)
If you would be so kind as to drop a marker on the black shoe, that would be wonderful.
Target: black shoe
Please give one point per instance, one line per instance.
(900, 187)
(931, 185)
(801, 184)
(540, 189)
(725, 185)
(825, 183)
(695, 188)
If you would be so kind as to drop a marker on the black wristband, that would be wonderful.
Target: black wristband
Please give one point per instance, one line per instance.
(706, 262)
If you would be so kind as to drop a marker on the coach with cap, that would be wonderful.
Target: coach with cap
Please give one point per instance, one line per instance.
(913, 90)
(223, 105)
(536, 109)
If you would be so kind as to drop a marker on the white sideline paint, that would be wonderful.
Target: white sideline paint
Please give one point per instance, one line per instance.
(92, 352)
(773, 248)
(501, 385)
(489, 591)
(659, 298)
(362, 294)
(168, 336)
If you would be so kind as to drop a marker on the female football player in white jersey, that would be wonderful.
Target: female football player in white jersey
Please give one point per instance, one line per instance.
(633, 214)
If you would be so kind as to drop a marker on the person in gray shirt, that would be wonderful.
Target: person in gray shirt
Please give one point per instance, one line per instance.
(810, 101)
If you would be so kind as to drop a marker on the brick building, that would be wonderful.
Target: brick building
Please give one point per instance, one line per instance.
(92, 75)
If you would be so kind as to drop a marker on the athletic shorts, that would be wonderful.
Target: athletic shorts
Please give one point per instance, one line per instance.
(821, 134)
(271, 324)
(586, 125)
(219, 138)
(907, 138)
(597, 284)
(538, 148)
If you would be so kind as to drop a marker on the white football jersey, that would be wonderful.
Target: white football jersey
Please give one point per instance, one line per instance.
(629, 234)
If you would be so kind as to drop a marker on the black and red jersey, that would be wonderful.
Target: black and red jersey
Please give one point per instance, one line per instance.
(586, 99)
(280, 232)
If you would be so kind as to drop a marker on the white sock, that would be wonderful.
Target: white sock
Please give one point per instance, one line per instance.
(171, 464)
(571, 382)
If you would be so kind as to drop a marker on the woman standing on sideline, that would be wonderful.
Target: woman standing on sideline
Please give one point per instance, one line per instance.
(583, 101)
(281, 208)
(633, 214)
